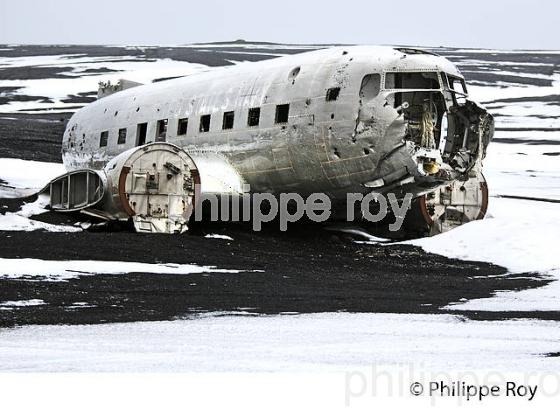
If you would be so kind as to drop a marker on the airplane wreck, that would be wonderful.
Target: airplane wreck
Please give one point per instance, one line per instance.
(345, 119)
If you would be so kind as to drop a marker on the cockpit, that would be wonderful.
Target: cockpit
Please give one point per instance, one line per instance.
(438, 117)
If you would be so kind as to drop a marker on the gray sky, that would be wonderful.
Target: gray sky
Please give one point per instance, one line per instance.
(470, 23)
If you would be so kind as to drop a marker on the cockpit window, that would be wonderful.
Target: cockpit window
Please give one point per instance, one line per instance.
(456, 84)
(412, 81)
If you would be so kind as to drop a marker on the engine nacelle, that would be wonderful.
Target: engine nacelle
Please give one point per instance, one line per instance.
(155, 185)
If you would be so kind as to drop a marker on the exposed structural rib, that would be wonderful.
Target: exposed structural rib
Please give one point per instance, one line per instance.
(76, 190)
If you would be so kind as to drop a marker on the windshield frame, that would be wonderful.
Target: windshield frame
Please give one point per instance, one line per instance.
(456, 79)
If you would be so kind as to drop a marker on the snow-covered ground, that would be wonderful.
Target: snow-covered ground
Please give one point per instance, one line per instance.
(519, 234)
(310, 342)
(19, 178)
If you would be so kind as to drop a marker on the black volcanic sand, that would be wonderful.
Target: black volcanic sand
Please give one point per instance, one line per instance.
(33, 72)
(307, 269)
(35, 137)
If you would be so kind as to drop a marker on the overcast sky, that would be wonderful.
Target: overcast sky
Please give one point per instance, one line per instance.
(470, 23)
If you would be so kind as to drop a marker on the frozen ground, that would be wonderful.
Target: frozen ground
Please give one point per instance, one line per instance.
(312, 342)
(520, 233)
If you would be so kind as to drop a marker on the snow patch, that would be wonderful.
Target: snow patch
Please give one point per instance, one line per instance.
(542, 299)
(26, 177)
(20, 220)
(368, 238)
(218, 236)
(63, 270)
(16, 222)
(494, 92)
(519, 235)
(23, 303)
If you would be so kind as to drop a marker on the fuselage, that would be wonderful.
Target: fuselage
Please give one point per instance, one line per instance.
(323, 121)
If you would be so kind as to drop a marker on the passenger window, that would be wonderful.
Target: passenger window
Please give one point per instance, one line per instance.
(141, 131)
(122, 136)
(332, 93)
(104, 138)
(282, 113)
(161, 130)
(205, 123)
(228, 120)
(182, 126)
(254, 116)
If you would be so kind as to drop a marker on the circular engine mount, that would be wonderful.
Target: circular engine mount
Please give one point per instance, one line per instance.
(155, 185)
(453, 205)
